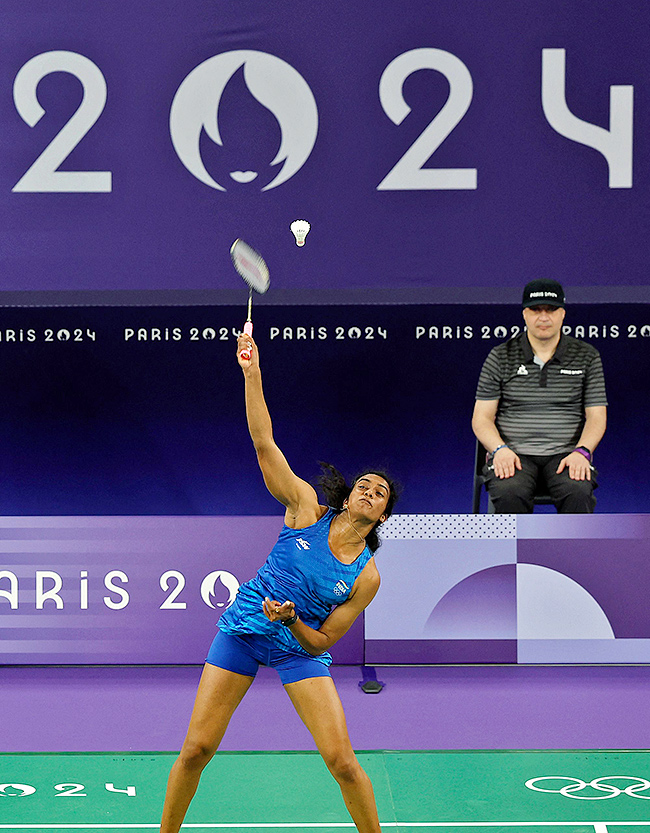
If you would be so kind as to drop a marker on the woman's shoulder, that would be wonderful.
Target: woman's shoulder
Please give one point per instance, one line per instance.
(367, 583)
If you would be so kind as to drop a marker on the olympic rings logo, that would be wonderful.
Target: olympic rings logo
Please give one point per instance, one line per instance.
(599, 785)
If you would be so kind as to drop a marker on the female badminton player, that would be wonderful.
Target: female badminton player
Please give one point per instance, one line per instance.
(318, 578)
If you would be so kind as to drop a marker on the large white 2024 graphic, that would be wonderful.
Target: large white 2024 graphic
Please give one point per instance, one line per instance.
(280, 88)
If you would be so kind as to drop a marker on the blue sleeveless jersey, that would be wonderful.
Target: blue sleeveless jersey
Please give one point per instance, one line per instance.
(301, 568)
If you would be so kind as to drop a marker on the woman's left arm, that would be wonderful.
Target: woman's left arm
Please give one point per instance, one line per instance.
(340, 619)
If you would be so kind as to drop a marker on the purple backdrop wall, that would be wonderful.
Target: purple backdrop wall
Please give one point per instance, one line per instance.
(447, 146)
(478, 588)
(443, 157)
(79, 590)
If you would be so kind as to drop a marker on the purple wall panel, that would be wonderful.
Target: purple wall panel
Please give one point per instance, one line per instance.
(140, 590)
(565, 589)
(478, 588)
(208, 121)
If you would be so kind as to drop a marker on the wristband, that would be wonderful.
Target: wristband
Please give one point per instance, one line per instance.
(291, 621)
(498, 448)
(582, 449)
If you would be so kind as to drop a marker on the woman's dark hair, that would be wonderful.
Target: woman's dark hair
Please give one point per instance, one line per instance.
(334, 487)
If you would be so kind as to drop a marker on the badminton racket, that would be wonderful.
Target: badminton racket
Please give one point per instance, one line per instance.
(251, 266)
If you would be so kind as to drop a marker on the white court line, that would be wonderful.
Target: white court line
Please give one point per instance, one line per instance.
(599, 826)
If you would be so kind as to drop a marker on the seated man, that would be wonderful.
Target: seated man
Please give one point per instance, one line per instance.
(541, 410)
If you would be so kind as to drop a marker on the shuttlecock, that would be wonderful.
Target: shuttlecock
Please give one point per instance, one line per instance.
(300, 228)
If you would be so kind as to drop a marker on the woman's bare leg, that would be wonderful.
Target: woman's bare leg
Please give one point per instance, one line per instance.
(219, 694)
(317, 702)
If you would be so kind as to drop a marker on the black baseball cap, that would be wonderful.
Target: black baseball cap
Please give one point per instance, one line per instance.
(543, 291)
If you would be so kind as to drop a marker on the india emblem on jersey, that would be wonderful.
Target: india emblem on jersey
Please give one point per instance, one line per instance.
(340, 588)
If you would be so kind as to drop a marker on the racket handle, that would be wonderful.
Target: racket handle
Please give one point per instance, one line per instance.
(248, 330)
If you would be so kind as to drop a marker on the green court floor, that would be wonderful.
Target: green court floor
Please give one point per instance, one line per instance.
(567, 792)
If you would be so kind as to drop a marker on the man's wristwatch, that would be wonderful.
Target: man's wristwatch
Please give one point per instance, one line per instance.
(582, 449)
(291, 621)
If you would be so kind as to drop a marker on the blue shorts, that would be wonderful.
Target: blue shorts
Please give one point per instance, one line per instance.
(244, 653)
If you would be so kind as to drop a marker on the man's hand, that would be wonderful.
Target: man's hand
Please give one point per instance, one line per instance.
(276, 612)
(506, 462)
(578, 465)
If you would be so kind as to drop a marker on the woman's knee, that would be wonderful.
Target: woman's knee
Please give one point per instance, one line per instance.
(344, 766)
(195, 754)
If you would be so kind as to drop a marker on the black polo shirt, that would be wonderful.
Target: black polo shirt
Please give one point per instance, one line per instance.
(542, 409)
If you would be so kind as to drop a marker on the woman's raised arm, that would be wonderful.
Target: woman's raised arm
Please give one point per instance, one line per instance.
(295, 494)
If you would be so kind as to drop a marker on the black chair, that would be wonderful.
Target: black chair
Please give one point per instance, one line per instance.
(480, 454)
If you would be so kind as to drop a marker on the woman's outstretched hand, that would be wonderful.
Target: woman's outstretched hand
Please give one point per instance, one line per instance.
(246, 346)
(276, 612)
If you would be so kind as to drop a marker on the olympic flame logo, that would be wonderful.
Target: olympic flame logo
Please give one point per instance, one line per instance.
(273, 83)
(223, 579)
